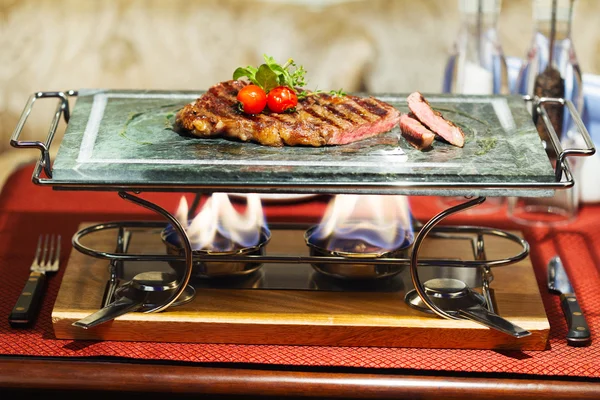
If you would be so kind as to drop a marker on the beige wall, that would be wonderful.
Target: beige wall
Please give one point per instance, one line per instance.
(377, 45)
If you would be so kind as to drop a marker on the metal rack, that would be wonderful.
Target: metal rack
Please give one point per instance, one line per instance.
(562, 174)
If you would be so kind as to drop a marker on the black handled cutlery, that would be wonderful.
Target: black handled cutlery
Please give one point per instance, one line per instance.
(46, 259)
(558, 282)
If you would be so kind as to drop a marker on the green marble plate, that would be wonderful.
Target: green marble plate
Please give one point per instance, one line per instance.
(124, 139)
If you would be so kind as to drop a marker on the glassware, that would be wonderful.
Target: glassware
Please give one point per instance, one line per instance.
(551, 69)
(552, 47)
(477, 66)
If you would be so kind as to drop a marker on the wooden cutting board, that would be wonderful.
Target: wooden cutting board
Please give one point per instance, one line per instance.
(302, 317)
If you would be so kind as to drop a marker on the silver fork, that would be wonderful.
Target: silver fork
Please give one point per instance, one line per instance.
(46, 259)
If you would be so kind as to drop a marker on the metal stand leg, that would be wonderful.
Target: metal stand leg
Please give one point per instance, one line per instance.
(488, 276)
(116, 266)
(414, 274)
(187, 247)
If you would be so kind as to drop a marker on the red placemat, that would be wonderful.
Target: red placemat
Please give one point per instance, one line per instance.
(27, 211)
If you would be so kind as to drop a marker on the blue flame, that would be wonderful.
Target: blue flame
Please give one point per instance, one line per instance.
(367, 222)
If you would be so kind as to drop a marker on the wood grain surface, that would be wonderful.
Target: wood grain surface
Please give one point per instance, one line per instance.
(245, 382)
(298, 317)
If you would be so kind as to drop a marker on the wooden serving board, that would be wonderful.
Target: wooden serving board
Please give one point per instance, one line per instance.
(302, 317)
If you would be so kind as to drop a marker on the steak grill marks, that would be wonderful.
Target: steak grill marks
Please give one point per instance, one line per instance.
(313, 112)
(374, 108)
(320, 119)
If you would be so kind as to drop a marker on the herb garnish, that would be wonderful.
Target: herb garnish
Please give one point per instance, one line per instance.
(270, 75)
(485, 145)
(303, 94)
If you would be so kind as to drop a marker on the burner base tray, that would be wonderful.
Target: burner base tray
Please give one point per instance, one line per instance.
(292, 304)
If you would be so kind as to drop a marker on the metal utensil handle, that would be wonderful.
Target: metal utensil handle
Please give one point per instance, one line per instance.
(110, 312)
(61, 109)
(482, 316)
(562, 164)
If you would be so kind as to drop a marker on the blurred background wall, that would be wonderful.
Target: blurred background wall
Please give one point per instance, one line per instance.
(369, 45)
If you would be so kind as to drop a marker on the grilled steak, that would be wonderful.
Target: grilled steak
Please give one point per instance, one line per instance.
(320, 119)
(415, 133)
(434, 120)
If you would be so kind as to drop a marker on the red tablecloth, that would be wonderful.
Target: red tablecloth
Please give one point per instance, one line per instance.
(27, 210)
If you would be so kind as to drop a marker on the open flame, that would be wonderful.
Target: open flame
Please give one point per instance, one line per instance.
(219, 226)
(365, 223)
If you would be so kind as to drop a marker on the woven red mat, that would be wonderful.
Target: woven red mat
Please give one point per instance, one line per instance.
(27, 210)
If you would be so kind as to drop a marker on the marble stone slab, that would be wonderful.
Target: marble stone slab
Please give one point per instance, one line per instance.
(120, 139)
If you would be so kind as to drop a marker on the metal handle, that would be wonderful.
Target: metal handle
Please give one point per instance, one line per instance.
(110, 312)
(484, 317)
(61, 109)
(562, 164)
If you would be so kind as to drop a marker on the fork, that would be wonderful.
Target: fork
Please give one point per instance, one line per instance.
(46, 259)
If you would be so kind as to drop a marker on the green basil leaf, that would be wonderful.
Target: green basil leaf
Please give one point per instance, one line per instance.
(248, 72)
(266, 78)
(240, 72)
(283, 75)
(278, 69)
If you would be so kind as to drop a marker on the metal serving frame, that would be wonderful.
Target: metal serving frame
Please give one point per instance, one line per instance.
(562, 173)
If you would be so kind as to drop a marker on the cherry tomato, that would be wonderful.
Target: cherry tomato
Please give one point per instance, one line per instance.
(253, 99)
(281, 98)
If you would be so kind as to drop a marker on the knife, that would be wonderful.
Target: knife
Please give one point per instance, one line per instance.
(558, 282)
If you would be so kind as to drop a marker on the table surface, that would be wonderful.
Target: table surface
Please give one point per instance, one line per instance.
(28, 369)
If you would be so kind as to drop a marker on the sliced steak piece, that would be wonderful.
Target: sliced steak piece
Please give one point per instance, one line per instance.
(434, 120)
(320, 119)
(415, 132)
